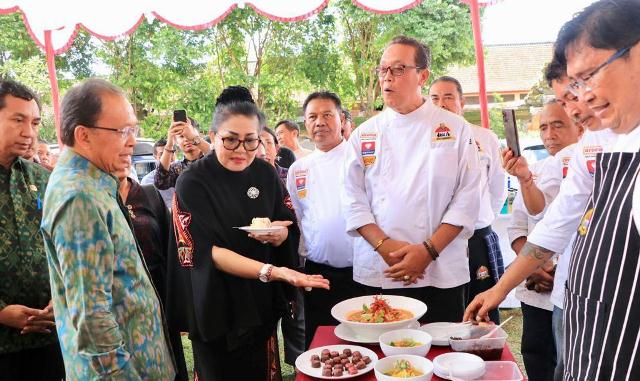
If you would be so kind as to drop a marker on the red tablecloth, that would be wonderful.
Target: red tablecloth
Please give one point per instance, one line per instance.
(324, 336)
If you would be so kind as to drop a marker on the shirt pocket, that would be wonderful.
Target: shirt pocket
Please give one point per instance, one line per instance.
(585, 320)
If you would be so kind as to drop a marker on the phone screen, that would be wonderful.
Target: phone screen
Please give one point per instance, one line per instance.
(511, 130)
(180, 116)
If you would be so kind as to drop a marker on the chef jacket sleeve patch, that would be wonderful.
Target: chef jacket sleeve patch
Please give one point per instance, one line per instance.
(184, 242)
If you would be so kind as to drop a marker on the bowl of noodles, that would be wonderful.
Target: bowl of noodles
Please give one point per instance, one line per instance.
(370, 316)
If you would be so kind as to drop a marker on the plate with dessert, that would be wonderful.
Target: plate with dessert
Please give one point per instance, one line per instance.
(261, 225)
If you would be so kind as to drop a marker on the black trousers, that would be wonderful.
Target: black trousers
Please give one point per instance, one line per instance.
(481, 279)
(318, 302)
(42, 364)
(443, 304)
(538, 345)
(213, 362)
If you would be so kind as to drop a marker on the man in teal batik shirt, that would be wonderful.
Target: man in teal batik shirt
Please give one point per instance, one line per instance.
(109, 320)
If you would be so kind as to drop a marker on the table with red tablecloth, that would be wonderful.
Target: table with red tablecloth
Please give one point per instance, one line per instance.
(324, 336)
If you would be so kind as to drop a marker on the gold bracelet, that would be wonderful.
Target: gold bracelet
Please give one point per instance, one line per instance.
(379, 243)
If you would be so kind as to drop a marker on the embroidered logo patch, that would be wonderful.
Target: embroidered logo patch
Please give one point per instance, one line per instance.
(565, 166)
(442, 133)
(368, 149)
(589, 153)
(301, 184)
(482, 273)
(181, 221)
(583, 228)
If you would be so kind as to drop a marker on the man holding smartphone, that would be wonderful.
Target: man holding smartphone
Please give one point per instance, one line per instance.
(184, 133)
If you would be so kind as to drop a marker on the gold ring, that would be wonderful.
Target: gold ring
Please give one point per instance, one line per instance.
(406, 277)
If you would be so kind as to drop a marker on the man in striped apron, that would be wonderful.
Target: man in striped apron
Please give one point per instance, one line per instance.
(602, 302)
(602, 308)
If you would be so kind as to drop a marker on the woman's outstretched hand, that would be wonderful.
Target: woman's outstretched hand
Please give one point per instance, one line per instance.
(299, 279)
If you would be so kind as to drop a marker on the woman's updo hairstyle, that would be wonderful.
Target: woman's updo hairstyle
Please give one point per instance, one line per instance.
(234, 100)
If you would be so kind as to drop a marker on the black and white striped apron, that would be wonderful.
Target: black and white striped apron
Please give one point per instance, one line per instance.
(602, 302)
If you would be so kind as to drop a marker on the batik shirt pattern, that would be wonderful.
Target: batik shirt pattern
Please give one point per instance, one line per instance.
(107, 312)
(24, 276)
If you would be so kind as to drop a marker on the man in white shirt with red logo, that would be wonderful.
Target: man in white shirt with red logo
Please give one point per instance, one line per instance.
(314, 183)
(559, 135)
(411, 194)
(485, 257)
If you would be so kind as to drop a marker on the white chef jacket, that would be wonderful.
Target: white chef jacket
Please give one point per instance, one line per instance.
(628, 142)
(408, 174)
(561, 276)
(492, 184)
(314, 183)
(548, 175)
(564, 214)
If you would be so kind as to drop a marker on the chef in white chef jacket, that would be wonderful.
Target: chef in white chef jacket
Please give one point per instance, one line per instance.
(314, 183)
(485, 258)
(411, 194)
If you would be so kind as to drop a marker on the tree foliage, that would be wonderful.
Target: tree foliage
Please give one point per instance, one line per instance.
(162, 68)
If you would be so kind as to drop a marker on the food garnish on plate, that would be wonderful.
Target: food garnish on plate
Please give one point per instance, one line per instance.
(403, 369)
(379, 311)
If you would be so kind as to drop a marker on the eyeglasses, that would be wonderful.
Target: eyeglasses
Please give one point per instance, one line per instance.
(585, 83)
(396, 71)
(124, 132)
(232, 143)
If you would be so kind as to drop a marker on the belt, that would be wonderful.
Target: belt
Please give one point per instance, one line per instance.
(481, 233)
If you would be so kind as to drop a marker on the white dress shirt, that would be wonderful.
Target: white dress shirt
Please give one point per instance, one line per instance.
(492, 184)
(409, 174)
(547, 175)
(563, 216)
(314, 183)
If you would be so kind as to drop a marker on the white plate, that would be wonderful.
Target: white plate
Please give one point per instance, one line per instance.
(260, 230)
(458, 365)
(345, 333)
(303, 362)
(442, 331)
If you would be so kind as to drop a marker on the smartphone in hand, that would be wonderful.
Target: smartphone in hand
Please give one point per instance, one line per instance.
(511, 131)
(180, 116)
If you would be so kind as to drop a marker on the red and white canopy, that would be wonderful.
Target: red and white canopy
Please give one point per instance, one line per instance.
(53, 24)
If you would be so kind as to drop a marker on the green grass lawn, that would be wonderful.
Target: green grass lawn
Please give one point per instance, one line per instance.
(513, 328)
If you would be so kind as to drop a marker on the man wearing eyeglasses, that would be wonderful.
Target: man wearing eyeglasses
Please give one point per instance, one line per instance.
(601, 315)
(411, 194)
(109, 318)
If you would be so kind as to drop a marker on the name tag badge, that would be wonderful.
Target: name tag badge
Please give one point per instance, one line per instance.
(368, 149)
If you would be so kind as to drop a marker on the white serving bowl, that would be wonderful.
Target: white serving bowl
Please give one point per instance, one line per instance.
(400, 334)
(373, 331)
(460, 365)
(421, 364)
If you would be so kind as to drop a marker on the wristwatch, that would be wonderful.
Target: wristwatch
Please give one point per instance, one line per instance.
(196, 141)
(265, 273)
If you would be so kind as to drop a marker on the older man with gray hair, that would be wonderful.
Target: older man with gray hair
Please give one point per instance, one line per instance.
(108, 316)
